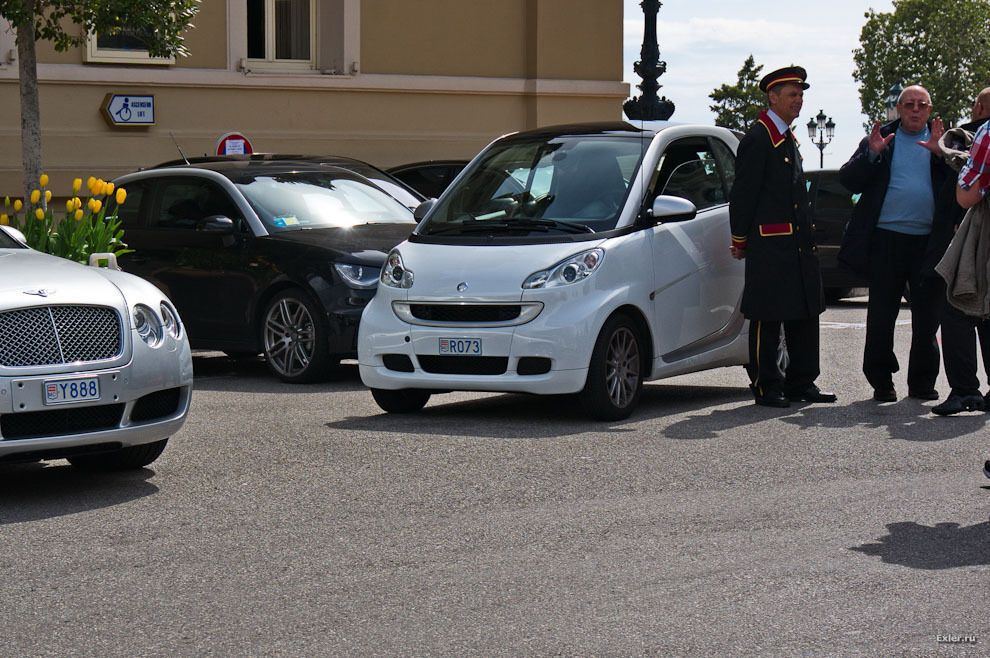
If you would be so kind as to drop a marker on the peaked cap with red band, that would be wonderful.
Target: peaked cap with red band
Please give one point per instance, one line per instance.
(788, 74)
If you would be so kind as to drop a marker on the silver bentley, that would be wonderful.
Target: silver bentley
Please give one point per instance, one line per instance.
(95, 366)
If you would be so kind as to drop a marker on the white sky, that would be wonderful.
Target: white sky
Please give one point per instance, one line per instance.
(705, 42)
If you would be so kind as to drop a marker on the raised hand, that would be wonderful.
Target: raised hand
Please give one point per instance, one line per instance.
(938, 129)
(877, 141)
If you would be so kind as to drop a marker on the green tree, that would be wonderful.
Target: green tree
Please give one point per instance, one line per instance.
(940, 45)
(66, 23)
(736, 106)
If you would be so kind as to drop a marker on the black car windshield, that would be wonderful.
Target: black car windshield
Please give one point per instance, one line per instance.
(527, 187)
(320, 199)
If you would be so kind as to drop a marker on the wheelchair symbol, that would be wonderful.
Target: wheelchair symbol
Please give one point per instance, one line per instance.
(124, 113)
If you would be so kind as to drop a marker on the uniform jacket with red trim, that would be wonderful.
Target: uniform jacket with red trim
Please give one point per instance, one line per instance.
(770, 219)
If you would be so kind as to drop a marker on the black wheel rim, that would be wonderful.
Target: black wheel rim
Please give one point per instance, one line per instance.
(290, 337)
(622, 367)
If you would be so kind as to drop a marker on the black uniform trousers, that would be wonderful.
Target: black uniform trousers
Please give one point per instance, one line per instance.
(959, 349)
(896, 259)
(801, 369)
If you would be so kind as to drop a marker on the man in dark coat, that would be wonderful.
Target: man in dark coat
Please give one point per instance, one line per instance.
(887, 240)
(771, 229)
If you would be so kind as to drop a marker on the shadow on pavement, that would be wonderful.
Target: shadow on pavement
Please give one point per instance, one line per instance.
(29, 492)
(905, 420)
(214, 371)
(942, 546)
(514, 415)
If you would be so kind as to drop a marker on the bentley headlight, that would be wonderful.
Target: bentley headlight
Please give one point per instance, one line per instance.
(147, 326)
(361, 277)
(394, 273)
(170, 320)
(571, 270)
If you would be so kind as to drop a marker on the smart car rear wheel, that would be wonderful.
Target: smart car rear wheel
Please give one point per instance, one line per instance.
(120, 460)
(294, 335)
(615, 375)
(404, 401)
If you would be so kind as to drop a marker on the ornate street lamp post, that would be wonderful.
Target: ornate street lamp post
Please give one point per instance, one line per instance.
(824, 130)
(649, 67)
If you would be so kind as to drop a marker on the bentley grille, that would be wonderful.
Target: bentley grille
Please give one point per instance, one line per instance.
(49, 335)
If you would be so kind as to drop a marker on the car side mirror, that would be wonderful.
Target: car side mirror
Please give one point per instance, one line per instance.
(668, 209)
(217, 224)
(422, 209)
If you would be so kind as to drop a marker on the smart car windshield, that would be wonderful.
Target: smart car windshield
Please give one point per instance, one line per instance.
(568, 184)
(305, 199)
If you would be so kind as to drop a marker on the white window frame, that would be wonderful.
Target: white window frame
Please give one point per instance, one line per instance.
(285, 65)
(93, 53)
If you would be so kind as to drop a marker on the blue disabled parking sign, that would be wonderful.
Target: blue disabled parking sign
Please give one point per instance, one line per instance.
(129, 110)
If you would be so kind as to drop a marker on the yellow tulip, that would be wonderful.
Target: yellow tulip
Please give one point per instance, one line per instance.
(18, 205)
(35, 195)
(108, 189)
(89, 204)
(121, 195)
(78, 214)
(39, 213)
(70, 205)
(76, 184)
(48, 196)
(97, 204)
(90, 182)
(3, 219)
(6, 202)
(76, 203)
(43, 180)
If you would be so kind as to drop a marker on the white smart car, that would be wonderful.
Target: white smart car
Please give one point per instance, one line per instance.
(95, 366)
(571, 259)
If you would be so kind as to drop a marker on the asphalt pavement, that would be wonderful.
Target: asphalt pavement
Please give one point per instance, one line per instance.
(301, 520)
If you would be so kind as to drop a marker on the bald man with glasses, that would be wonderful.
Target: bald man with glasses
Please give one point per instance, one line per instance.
(887, 239)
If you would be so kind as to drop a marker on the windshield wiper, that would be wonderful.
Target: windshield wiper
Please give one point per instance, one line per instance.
(541, 225)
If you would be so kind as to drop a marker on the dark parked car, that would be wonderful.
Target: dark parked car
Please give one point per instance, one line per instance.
(271, 256)
(405, 194)
(832, 206)
(429, 178)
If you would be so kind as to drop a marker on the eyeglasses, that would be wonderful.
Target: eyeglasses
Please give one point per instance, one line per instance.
(916, 105)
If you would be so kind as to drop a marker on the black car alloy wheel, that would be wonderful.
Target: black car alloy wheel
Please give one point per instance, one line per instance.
(295, 338)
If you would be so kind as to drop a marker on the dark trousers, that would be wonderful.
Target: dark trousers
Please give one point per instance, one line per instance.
(959, 349)
(801, 337)
(895, 261)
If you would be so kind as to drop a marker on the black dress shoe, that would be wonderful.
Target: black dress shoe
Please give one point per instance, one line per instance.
(885, 394)
(811, 394)
(929, 394)
(772, 399)
(955, 404)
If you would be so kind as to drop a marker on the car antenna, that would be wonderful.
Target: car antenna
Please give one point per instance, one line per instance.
(178, 147)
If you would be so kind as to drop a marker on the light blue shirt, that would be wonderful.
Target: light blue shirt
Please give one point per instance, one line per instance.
(910, 203)
(782, 127)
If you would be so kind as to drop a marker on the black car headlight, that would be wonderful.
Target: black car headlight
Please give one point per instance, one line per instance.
(362, 277)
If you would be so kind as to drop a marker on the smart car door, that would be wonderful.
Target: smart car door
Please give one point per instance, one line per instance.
(697, 283)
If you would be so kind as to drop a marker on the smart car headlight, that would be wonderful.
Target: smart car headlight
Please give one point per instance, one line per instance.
(570, 270)
(394, 273)
(147, 325)
(362, 277)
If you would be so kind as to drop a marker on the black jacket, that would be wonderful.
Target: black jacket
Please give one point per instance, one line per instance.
(871, 179)
(771, 219)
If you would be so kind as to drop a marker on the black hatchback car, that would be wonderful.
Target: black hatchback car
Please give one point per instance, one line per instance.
(831, 207)
(269, 256)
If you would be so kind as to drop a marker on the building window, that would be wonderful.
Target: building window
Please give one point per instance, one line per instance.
(128, 47)
(281, 34)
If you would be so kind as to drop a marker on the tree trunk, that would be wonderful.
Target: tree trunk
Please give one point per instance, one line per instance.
(27, 63)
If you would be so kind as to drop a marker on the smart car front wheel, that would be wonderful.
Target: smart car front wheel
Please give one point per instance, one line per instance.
(615, 375)
(294, 335)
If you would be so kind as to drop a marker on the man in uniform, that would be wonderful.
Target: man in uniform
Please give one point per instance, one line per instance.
(771, 229)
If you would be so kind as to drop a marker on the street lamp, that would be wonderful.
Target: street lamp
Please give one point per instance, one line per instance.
(824, 130)
(892, 95)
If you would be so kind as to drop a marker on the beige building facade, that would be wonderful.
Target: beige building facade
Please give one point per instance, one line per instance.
(385, 81)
